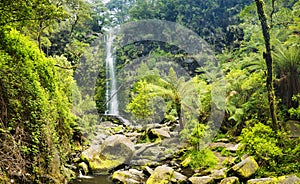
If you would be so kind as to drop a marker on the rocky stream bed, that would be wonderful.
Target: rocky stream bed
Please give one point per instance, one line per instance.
(151, 154)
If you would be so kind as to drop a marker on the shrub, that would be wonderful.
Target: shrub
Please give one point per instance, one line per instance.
(261, 142)
(196, 159)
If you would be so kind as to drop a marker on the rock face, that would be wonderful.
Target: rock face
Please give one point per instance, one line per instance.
(115, 150)
(201, 180)
(230, 180)
(245, 168)
(161, 175)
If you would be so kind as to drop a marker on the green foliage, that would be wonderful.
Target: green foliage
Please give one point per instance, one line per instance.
(195, 133)
(199, 159)
(275, 153)
(215, 17)
(261, 142)
(295, 112)
(179, 95)
(35, 97)
(140, 105)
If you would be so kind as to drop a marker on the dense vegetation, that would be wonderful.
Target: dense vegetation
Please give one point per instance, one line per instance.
(43, 42)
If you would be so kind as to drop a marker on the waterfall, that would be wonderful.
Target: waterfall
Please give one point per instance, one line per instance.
(111, 84)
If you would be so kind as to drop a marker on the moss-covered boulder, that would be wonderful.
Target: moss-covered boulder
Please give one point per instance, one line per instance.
(201, 180)
(161, 175)
(230, 180)
(115, 151)
(132, 176)
(245, 168)
(292, 179)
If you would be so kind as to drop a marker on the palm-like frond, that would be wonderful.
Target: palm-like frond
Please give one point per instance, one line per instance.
(287, 59)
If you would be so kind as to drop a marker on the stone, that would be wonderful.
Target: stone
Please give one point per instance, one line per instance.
(133, 136)
(294, 127)
(292, 179)
(280, 180)
(230, 180)
(246, 167)
(179, 178)
(148, 170)
(159, 134)
(201, 180)
(132, 176)
(219, 174)
(161, 175)
(84, 167)
(216, 145)
(115, 150)
(233, 148)
(225, 140)
(261, 181)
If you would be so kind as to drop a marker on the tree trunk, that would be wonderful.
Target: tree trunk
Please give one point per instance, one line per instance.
(269, 62)
(179, 114)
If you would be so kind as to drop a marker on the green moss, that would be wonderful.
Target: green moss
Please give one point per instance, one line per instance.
(246, 168)
(118, 128)
(195, 159)
(104, 165)
(161, 178)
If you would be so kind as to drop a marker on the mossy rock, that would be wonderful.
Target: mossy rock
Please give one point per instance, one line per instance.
(132, 176)
(230, 180)
(261, 181)
(99, 166)
(161, 175)
(280, 180)
(245, 168)
(201, 180)
(115, 151)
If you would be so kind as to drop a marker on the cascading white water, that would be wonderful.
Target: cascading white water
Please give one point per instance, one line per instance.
(111, 84)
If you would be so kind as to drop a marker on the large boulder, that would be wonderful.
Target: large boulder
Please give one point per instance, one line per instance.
(245, 168)
(230, 180)
(201, 180)
(115, 151)
(161, 175)
(132, 176)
